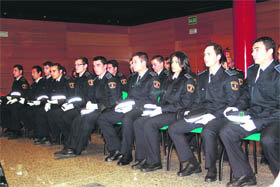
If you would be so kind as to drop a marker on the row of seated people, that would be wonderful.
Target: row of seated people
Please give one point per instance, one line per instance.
(187, 101)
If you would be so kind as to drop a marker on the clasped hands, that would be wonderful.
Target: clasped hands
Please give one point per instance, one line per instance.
(244, 121)
(203, 119)
(125, 107)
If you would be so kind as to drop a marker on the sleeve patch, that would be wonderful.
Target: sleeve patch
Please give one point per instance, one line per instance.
(124, 81)
(156, 84)
(234, 85)
(108, 75)
(72, 85)
(112, 85)
(24, 86)
(90, 82)
(190, 88)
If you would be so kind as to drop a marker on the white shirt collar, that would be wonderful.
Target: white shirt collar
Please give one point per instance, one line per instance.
(58, 80)
(159, 72)
(38, 79)
(142, 74)
(18, 78)
(81, 74)
(215, 70)
(101, 76)
(264, 68)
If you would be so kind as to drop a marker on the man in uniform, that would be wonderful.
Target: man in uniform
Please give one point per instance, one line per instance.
(260, 101)
(16, 99)
(103, 96)
(61, 88)
(143, 89)
(216, 90)
(113, 68)
(62, 118)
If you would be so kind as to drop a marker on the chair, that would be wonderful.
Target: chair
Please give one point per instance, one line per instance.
(253, 137)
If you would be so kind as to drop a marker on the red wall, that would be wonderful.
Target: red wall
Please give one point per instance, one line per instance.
(34, 42)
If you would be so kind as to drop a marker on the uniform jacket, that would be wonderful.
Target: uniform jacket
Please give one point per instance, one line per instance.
(20, 86)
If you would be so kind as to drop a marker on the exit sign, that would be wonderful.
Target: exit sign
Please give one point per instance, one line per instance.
(192, 20)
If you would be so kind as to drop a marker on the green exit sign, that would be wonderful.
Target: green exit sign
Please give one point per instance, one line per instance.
(192, 20)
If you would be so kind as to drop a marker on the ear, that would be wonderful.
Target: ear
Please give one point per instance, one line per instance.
(219, 56)
(270, 51)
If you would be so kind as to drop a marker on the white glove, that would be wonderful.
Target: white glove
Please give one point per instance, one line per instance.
(125, 104)
(30, 103)
(229, 109)
(91, 106)
(9, 98)
(239, 119)
(53, 101)
(47, 107)
(186, 112)
(156, 112)
(21, 100)
(205, 119)
(65, 107)
(127, 109)
(12, 101)
(248, 125)
(150, 106)
(36, 103)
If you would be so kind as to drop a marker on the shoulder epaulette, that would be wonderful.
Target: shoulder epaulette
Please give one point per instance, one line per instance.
(66, 77)
(153, 73)
(200, 73)
(108, 75)
(87, 74)
(231, 73)
(188, 76)
(252, 65)
(119, 74)
(277, 68)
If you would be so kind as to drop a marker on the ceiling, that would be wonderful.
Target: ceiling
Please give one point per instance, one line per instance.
(124, 13)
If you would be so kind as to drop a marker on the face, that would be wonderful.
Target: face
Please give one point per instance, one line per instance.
(157, 65)
(111, 69)
(231, 64)
(210, 57)
(80, 67)
(175, 65)
(225, 65)
(138, 64)
(16, 72)
(260, 54)
(35, 75)
(47, 70)
(131, 66)
(55, 73)
(167, 64)
(98, 67)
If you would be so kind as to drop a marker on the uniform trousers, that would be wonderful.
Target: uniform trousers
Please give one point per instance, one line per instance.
(14, 110)
(81, 130)
(270, 145)
(231, 135)
(177, 132)
(210, 134)
(113, 142)
(147, 136)
(42, 128)
(27, 116)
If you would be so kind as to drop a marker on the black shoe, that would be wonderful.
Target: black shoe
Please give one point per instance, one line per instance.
(243, 181)
(37, 141)
(69, 153)
(45, 141)
(139, 164)
(189, 169)
(114, 155)
(211, 175)
(63, 151)
(125, 160)
(151, 167)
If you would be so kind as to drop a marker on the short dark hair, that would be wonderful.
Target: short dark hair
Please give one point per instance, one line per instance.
(59, 66)
(19, 67)
(114, 63)
(159, 58)
(268, 43)
(84, 59)
(143, 56)
(38, 68)
(101, 58)
(47, 63)
(183, 60)
(217, 48)
(223, 59)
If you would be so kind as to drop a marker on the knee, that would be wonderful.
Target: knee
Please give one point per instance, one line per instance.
(266, 141)
(226, 133)
(207, 133)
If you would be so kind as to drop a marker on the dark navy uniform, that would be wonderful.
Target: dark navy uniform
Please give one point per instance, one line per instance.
(62, 120)
(213, 97)
(144, 91)
(261, 99)
(180, 94)
(123, 80)
(19, 90)
(106, 93)
(163, 79)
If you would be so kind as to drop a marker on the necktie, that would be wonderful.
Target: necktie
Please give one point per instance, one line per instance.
(211, 77)
(261, 71)
(138, 78)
